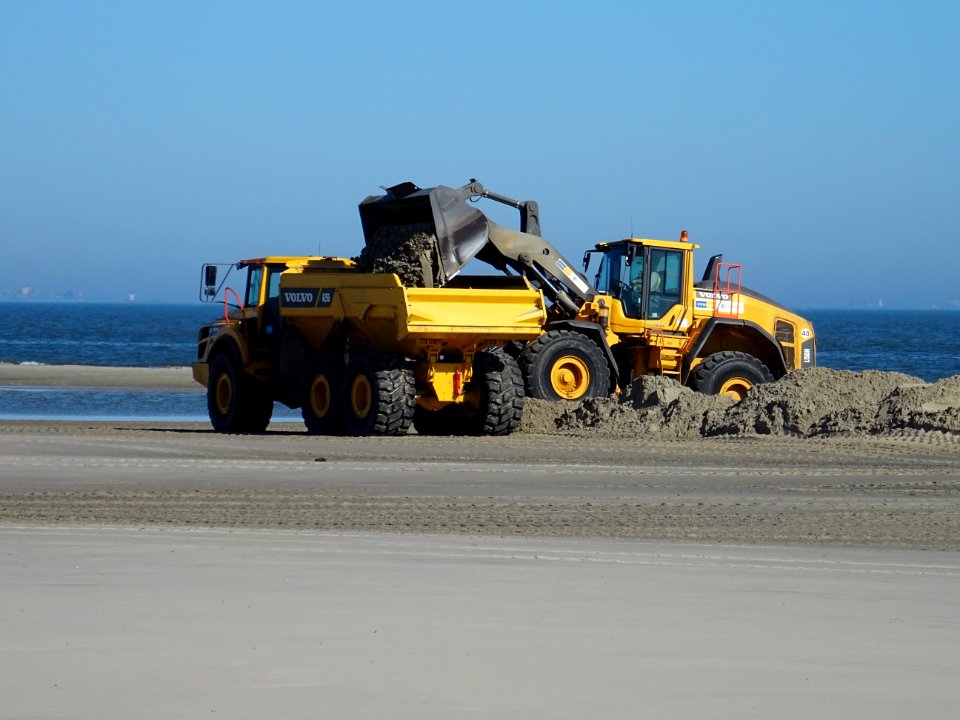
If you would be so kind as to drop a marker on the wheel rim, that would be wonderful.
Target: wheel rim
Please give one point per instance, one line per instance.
(320, 396)
(570, 377)
(736, 388)
(360, 396)
(223, 394)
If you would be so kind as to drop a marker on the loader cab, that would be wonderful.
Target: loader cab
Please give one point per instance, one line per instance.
(647, 277)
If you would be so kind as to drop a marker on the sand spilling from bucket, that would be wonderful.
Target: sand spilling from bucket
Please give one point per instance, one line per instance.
(410, 251)
(806, 403)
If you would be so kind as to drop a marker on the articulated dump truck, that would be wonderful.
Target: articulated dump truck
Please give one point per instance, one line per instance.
(360, 353)
(643, 312)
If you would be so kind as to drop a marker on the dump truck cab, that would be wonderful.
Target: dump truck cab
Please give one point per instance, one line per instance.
(250, 325)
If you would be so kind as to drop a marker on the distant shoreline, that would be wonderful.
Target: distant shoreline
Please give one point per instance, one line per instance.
(95, 376)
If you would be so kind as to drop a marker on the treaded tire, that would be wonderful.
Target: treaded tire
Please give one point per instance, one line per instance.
(730, 372)
(234, 402)
(494, 397)
(320, 393)
(564, 365)
(378, 395)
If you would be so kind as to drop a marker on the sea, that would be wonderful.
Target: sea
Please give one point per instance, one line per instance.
(922, 343)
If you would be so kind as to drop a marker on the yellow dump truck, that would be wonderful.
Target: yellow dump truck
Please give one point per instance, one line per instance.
(360, 353)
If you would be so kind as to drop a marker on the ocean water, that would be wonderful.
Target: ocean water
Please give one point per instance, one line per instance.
(923, 343)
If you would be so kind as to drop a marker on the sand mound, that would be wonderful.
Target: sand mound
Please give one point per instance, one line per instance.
(407, 250)
(808, 403)
(818, 401)
(652, 406)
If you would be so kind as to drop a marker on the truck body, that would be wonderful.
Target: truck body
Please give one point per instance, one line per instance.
(360, 353)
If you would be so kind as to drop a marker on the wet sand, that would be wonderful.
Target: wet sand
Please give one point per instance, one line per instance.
(12, 375)
(892, 491)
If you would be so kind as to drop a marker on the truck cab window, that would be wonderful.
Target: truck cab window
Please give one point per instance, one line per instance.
(254, 281)
(273, 281)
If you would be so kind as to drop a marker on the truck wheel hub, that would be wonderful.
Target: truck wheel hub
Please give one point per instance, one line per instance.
(360, 396)
(224, 394)
(320, 397)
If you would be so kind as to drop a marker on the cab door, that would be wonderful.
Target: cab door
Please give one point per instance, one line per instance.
(663, 304)
(648, 281)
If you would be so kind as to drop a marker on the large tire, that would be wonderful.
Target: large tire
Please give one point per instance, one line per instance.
(320, 395)
(493, 399)
(564, 365)
(729, 373)
(378, 395)
(235, 404)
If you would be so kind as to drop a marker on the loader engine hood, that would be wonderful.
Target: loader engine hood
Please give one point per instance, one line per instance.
(460, 229)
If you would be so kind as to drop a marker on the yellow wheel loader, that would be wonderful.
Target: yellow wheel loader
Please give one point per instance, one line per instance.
(643, 313)
(361, 353)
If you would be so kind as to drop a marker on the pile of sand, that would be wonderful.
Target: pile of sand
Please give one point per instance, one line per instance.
(410, 251)
(806, 403)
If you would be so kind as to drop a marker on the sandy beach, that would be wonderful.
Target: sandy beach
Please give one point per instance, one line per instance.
(898, 490)
(739, 576)
(13, 375)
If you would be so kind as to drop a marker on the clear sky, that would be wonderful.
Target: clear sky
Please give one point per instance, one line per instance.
(816, 142)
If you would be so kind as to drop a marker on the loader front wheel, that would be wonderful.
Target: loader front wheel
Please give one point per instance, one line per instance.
(493, 399)
(729, 373)
(320, 396)
(378, 395)
(234, 403)
(564, 365)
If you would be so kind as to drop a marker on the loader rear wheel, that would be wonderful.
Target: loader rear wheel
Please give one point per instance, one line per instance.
(730, 373)
(493, 399)
(564, 365)
(320, 396)
(235, 404)
(378, 395)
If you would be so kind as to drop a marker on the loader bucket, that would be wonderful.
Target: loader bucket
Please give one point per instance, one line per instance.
(460, 230)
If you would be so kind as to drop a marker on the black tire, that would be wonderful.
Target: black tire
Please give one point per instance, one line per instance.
(729, 373)
(493, 399)
(320, 396)
(564, 365)
(378, 395)
(234, 402)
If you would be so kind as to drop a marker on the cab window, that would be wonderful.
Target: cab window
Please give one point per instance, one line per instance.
(621, 277)
(665, 281)
(254, 281)
(273, 281)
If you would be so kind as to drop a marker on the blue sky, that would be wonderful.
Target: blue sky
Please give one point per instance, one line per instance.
(814, 142)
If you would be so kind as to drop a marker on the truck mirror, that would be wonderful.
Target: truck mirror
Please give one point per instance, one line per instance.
(210, 275)
(631, 253)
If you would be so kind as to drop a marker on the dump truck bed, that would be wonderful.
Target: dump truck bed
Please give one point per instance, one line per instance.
(378, 311)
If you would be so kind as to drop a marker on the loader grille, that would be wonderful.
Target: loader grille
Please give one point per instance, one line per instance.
(785, 336)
